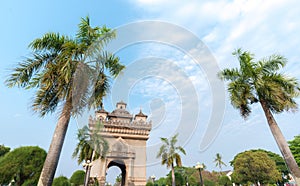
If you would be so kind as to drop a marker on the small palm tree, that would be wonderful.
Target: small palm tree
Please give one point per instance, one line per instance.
(63, 70)
(218, 161)
(261, 82)
(91, 145)
(169, 154)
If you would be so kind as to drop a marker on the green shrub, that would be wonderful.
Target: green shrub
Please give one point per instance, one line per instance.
(77, 178)
(61, 181)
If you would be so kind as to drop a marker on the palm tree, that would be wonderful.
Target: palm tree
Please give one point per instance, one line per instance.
(218, 161)
(63, 70)
(261, 82)
(91, 145)
(169, 154)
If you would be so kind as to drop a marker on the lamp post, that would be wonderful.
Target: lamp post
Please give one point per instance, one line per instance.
(153, 178)
(200, 167)
(87, 166)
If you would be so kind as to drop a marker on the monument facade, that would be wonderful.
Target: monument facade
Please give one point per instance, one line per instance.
(127, 135)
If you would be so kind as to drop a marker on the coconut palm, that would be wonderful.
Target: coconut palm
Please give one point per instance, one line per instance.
(218, 161)
(261, 82)
(169, 154)
(63, 69)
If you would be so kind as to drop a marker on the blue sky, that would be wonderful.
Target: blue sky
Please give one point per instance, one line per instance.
(263, 27)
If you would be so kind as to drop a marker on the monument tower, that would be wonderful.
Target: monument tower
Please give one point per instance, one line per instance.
(127, 136)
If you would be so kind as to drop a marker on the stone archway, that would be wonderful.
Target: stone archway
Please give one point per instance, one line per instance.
(127, 137)
(122, 167)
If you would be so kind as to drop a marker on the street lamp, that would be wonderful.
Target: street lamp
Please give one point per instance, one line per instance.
(153, 178)
(200, 167)
(87, 166)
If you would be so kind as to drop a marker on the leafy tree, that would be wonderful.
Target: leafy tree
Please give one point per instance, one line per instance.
(22, 164)
(218, 161)
(77, 178)
(61, 181)
(254, 167)
(279, 161)
(161, 182)
(209, 182)
(261, 82)
(29, 183)
(149, 183)
(295, 148)
(118, 179)
(192, 180)
(63, 69)
(224, 180)
(4, 150)
(169, 154)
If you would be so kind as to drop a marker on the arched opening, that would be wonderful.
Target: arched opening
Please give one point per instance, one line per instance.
(121, 165)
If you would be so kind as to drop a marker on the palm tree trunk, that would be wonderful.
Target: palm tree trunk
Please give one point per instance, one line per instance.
(282, 144)
(50, 165)
(173, 175)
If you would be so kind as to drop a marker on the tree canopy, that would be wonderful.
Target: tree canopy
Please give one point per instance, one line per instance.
(254, 167)
(4, 150)
(77, 178)
(61, 181)
(22, 164)
(295, 148)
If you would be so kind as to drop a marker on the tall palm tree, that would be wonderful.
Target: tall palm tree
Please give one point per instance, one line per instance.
(91, 145)
(63, 69)
(218, 161)
(261, 82)
(169, 154)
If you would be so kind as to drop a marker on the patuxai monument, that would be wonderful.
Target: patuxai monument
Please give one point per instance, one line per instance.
(127, 135)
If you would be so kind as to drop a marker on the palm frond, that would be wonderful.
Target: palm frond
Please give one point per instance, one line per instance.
(162, 150)
(49, 42)
(178, 159)
(240, 95)
(173, 140)
(25, 72)
(272, 64)
(279, 92)
(229, 74)
(245, 59)
(61, 69)
(165, 140)
(111, 62)
(99, 90)
(181, 149)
